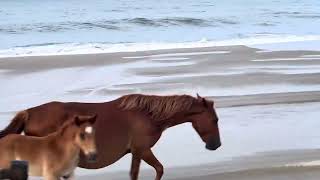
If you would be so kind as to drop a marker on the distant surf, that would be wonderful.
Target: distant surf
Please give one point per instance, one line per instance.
(50, 49)
(71, 27)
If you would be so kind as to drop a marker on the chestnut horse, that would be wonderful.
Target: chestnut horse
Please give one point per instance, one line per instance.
(53, 156)
(130, 124)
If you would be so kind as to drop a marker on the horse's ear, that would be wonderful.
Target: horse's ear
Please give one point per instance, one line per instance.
(77, 121)
(199, 97)
(204, 101)
(93, 119)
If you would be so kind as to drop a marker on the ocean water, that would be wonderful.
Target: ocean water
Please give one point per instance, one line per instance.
(75, 26)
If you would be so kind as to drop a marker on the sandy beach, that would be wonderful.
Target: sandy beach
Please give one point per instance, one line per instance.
(268, 103)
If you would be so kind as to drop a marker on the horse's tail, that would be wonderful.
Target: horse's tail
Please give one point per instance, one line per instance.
(16, 125)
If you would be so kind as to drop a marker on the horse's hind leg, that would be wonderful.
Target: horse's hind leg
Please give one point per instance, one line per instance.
(150, 159)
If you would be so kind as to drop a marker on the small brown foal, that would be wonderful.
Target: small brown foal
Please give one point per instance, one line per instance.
(53, 156)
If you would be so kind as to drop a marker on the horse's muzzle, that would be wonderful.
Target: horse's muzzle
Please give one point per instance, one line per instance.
(92, 157)
(213, 144)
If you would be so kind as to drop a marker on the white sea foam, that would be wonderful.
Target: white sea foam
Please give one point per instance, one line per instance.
(287, 59)
(315, 55)
(170, 59)
(281, 69)
(178, 54)
(251, 70)
(94, 48)
(305, 164)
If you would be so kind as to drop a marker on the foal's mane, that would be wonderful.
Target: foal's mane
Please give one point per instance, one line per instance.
(64, 126)
(158, 107)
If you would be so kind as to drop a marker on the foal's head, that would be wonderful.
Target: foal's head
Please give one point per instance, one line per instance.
(85, 135)
(205, 121)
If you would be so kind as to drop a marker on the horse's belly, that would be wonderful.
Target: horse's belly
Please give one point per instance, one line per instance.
(112, 144)
(105, 158)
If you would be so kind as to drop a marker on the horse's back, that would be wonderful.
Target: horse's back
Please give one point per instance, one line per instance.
(44, 119)
(47, 118)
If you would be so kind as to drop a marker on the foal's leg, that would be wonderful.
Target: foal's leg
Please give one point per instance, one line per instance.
(51, 177)
(135, 166)
(69, 176)
(4, 163)
(150, 159)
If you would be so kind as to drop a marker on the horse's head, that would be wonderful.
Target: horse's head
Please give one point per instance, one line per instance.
(85, 136)
(205, 121)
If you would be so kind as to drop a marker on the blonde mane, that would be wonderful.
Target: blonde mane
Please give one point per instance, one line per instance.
(158, 107)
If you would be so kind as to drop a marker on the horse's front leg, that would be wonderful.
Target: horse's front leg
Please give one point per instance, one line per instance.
(135, 166)
(150, 159)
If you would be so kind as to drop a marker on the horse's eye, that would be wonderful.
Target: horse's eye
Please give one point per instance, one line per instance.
(82, 136)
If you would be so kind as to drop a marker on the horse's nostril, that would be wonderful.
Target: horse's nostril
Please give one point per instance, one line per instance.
(212, 147)
(92, 157)
(213, 144)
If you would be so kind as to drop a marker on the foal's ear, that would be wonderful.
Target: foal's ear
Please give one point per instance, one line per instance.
(93, 119)
(198, 96)
(77, 120)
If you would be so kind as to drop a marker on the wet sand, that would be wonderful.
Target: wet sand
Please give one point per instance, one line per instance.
(278, 165)
(280, 173)
(232, 76)
(235, 75)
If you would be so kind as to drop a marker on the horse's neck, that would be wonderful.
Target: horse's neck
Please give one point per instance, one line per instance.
(174, 121)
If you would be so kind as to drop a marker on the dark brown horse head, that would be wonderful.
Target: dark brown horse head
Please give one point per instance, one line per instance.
(85, 136)
(205, 121)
